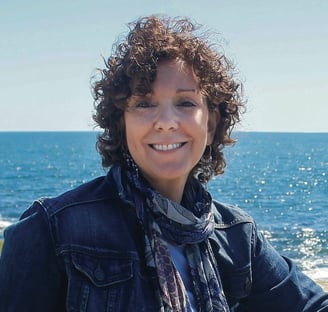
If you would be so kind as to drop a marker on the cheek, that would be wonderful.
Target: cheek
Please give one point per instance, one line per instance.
(202, 122)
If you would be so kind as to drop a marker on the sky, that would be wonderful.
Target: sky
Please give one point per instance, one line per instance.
(49, 50)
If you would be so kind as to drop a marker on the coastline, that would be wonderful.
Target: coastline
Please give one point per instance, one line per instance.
(323, 284)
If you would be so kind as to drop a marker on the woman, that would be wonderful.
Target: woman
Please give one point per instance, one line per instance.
(148, 236)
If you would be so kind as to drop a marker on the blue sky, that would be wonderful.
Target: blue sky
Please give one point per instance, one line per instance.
(50, 49)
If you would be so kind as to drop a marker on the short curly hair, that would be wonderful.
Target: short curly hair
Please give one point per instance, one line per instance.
(134, 61)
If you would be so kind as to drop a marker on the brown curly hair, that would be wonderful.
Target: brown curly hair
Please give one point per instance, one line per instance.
(134, 62)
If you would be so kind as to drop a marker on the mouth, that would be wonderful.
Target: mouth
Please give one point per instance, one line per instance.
(166, 147)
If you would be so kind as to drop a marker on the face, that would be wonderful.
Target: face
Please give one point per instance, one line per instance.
(168, 129)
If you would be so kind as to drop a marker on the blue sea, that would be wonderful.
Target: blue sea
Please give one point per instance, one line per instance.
(281, 179)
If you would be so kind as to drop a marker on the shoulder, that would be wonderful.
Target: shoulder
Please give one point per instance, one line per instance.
(44, 209)
(227, 215)
(85, 216)
(235, 233)
(233, 228)
(74, 205)
(95, 190)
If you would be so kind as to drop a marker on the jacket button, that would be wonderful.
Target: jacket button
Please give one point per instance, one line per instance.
(99, 274)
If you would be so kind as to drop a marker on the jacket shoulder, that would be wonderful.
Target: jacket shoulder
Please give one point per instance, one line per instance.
(90, 215)
(95, 190)
(227, 215)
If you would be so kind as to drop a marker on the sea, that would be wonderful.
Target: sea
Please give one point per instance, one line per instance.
(280, 179)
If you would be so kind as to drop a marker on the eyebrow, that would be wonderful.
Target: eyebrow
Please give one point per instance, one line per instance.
(180, 90)
(186, 90)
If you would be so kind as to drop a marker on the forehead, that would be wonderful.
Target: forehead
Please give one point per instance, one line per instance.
(175, 74)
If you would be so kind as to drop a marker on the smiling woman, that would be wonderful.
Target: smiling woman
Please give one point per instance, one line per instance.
(168, 130)
(148, 236)
(132, 70)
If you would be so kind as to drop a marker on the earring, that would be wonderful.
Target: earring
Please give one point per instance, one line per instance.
(130, 163)
(206, 165)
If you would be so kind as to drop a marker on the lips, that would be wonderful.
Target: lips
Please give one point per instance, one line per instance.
(166, 147)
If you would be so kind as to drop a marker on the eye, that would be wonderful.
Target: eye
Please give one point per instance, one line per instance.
(186, 103)
(144, 104)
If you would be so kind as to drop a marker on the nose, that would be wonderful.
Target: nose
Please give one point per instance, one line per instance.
(166, 119)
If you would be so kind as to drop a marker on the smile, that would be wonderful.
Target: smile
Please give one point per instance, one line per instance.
(166, 147)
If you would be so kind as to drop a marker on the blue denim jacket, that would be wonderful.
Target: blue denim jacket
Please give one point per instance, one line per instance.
(83, 251)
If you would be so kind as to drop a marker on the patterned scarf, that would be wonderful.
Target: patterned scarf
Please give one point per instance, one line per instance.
(165, 220)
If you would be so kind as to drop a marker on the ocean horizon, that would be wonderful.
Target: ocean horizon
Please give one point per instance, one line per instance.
(279, 178)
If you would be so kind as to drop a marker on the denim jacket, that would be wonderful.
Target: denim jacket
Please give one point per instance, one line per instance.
(83, 251)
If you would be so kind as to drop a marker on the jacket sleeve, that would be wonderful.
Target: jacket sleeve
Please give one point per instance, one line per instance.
(30, 277)
(279, 285)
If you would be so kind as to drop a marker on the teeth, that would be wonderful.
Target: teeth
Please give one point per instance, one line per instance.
(168, 147)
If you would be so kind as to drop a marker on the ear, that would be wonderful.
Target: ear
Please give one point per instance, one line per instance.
(213, 120)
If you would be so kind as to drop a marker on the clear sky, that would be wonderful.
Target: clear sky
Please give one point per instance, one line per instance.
(49, 49)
